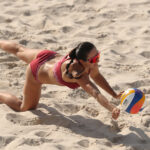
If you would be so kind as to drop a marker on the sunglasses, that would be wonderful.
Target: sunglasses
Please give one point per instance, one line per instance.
(95, 58)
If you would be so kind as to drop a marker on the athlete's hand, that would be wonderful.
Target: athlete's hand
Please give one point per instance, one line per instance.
(115, 113)
(118, 96)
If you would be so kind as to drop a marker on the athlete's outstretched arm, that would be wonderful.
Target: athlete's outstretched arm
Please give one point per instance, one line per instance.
(90, 88)
(101, 81)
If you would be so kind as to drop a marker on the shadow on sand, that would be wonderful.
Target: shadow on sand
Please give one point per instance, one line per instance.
(93, 128)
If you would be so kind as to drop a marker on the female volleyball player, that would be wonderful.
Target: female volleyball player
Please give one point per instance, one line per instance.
(48, 67)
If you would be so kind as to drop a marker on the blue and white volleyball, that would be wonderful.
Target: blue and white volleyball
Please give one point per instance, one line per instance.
(132, 100)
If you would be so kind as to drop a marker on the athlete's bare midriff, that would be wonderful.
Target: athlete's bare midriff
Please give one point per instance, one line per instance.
(45, 73)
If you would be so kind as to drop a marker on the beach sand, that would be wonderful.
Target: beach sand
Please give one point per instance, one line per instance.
(71, 119)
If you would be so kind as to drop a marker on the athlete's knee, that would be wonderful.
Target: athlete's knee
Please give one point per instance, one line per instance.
(19, 49)
(14, 47)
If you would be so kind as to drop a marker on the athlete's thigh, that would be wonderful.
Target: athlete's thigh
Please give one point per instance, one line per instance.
(32, 92)
(27, 54)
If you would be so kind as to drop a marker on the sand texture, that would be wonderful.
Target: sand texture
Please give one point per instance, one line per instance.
(71, 119)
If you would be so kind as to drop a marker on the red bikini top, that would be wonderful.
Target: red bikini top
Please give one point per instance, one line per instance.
(58, 74)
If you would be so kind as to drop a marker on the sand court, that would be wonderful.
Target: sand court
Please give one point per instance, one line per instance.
(71, 119)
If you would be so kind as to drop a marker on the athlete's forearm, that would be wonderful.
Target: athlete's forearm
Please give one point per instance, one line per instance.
(91, 88)
(104, 102)
(101, 81)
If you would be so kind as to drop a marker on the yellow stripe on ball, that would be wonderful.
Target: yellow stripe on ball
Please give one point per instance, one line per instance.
(125, 94)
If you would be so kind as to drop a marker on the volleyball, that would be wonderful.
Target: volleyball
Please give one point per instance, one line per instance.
(132, 100)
